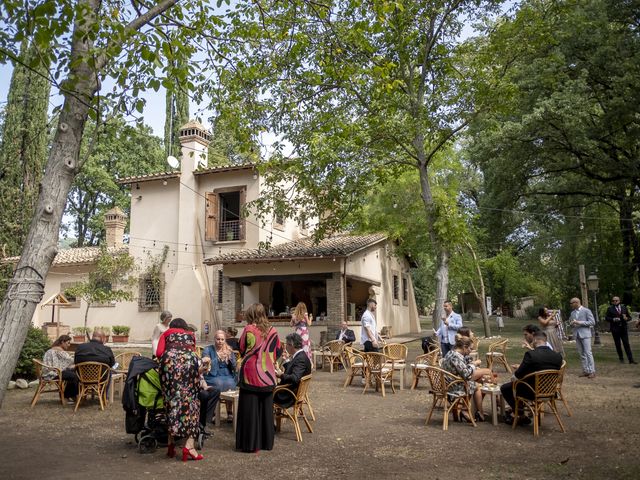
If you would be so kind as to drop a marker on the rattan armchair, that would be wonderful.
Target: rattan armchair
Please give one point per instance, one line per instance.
(353, 364)
(497, 353)
(332, 354)
(421, 363)
(560, 393)
(378, 369)
(124, 359)
(47, 384)
(293, 412)
(398, 352)
(441, 382)
(543, 387)
(93, 378)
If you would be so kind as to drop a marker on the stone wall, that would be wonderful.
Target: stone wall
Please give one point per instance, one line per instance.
(231, 301)
(335, 304)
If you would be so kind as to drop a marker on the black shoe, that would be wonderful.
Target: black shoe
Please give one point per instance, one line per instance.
(478, 417)
(524, 421)
(622, 360)
(508, 419)
(632, 362)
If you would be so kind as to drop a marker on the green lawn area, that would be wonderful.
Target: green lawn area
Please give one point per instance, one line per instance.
(603, 354)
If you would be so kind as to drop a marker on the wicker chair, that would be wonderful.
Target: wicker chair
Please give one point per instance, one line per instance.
(378, 368)
(124, 359)
(560, 394)
(498, 354)
(48, 385)
(332, 354)
(292, 413)
(93, 377)
(353, 364)
(441, 381)
(199, 350)
(421, 364)
(475, 341)
(398, 352)
(544, 390)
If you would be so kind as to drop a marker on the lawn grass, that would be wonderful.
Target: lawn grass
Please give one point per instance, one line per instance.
(604, 354)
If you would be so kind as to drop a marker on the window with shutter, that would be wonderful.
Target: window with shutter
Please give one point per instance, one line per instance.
(212, 212)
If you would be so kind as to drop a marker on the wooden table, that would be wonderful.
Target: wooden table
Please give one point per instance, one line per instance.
(229, 396)
(494, 393)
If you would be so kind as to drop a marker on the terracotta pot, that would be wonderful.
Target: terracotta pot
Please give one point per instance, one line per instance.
(120, 338)
(79, 338)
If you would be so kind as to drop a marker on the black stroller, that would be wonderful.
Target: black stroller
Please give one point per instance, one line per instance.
(144, 406)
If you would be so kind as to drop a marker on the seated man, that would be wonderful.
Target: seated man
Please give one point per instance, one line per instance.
(540, 358)
(95, 351)
(345, 334)
(295, 368)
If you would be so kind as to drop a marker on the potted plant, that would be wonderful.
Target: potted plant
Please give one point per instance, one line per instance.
(80, 334)
(230, 234)
(106, 331)
(120, 333)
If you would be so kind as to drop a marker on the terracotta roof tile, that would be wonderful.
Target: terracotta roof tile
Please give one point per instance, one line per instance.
(147, 177)
(224, 168)
(77, 256)
(341, 245)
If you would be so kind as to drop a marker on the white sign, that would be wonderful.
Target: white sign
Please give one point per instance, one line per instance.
(489, 310)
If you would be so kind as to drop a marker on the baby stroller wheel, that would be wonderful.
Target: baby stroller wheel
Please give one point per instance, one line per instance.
(142, 433)
(200, 441)
(147, 444)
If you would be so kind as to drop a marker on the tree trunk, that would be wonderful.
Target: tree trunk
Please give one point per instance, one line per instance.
(442, 252)
(630, 249)
(26, 288)
(480, 296)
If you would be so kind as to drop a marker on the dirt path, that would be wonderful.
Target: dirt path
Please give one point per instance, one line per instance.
(359, 436)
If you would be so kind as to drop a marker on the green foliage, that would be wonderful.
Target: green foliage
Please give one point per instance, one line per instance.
(24, 147)
(108, 282)
(121, 330)
(115, 150)
(566, 106)
(81, 330)
(35, 346)
(532, 311)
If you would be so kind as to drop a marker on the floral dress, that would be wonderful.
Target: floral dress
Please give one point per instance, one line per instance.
(455, 363)
(302, 329)
(180, 382)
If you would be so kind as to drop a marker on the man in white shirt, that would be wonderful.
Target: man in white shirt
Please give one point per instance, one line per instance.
(369, 334)
(449, 326)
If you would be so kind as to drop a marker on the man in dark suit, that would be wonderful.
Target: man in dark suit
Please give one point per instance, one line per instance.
(540, 358)
(618, 316)
(297, 366)
(95, 351)
(345, 334)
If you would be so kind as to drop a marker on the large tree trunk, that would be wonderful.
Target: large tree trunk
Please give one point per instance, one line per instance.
(442, 252)
(26, 288)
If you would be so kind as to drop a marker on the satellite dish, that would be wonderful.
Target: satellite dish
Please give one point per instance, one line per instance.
(173, 161)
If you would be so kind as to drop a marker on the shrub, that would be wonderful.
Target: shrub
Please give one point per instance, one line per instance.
(81, 330)
(532, 311)
(120, 330)
(36, 344)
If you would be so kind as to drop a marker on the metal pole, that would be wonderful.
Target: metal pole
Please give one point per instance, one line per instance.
(596, 341)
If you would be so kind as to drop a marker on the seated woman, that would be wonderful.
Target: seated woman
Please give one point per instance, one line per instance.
(58, 357)
(222, 373)
(454, 362)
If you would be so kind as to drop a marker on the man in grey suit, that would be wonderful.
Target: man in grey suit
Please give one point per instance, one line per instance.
(582, 320)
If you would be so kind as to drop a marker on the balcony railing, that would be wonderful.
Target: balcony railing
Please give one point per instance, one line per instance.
(230, 230)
